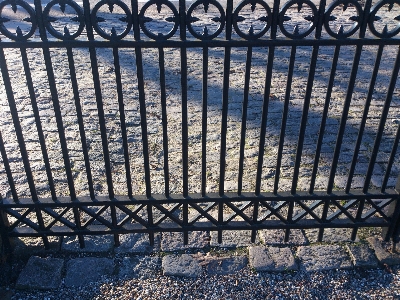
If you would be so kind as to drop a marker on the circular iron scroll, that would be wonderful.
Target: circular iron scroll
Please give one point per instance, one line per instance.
(300, 4)
(373, 18)
(356, 25)
(221, 19)
(251, 35)
(158, 4)
(113, 35)
(18, 36)
(66, 35)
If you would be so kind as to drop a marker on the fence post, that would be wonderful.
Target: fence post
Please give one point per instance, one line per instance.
(5, 240)
(394, 211)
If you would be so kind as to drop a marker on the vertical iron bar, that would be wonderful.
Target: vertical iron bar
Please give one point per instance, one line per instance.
(55, 100)
(364, 117)
(243, 136)
(77, 217)
(391, 159)
(284, 117)
(224, 120)
(224, 116)
(244, 117)
(282, 135)
(164, 119)
(321, 137)
(343, 119)
(304, 117)
(99, 99)
(8, 170)
(324, 117)
(182, 9)
(307, 97)
(350, 88)
(185, 160)
(122, 120)
(124, 138)
(79, 115)
(225, 100)
(35, 109)
(204, 123)
(267, 90)
(264, 113)
(114, 225)
(21, 142)
(143, 122)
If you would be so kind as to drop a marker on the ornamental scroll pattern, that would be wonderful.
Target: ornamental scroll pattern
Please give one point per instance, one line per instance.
(204, 19)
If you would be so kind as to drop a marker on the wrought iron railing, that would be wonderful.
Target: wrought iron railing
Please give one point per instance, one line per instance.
(305, 149)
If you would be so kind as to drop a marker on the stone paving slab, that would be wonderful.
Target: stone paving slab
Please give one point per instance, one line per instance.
(323, 257)
(173, 241)
(271, 259)
(81, 271)
(223, 265)
(95, 243)
(181, 265)
(331, 235)
(137, 243)
(233, 239)
(140, 267)
(277, 237)
(41, 273)
(362, 256)
(383, 255)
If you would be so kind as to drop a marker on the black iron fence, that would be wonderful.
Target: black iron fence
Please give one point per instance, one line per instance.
(306, 136)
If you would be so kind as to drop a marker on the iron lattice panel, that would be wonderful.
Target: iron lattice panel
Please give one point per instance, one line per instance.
(203, 25)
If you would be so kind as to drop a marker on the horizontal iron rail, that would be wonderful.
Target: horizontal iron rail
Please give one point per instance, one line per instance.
(198, 198)
(199, 44)
(199, 226)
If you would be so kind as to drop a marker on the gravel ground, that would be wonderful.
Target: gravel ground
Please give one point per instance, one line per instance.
(341, 284)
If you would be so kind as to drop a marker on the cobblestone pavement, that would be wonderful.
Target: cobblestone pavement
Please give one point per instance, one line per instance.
(135, 270)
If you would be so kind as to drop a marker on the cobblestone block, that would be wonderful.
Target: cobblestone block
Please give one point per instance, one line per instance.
(271, 259)
(225, 265)
(181, 265)
(140, 267)
(321, 258)
(362, 256)
(383, 255)
(41, 273)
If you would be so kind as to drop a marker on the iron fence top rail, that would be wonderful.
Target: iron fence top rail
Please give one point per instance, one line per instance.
(200, 44)
(203, 19)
